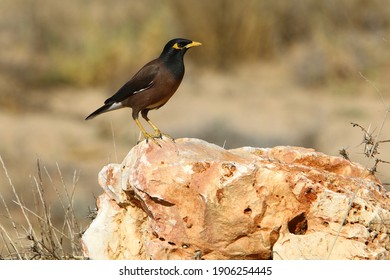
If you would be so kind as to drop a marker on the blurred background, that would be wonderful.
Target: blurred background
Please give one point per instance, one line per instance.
(268, 73)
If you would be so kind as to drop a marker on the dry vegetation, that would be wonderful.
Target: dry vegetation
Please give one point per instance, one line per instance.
(39, 232)
(326, 49)
(89, 42)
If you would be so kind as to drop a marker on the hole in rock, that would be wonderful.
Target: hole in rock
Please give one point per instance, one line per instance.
(356, 206)
(171, 243)
(247, 211)
(298, 224)
(325, 223)
(162, 239)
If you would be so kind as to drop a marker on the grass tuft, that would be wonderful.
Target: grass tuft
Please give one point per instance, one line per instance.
(37, 236)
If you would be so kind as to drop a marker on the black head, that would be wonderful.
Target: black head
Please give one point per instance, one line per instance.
(178, 46)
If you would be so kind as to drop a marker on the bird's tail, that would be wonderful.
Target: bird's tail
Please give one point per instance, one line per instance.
(105, 108)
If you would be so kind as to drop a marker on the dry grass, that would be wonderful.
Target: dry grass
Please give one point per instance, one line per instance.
(47, 43)
(32, 232)
(370, 148)
(329, 41)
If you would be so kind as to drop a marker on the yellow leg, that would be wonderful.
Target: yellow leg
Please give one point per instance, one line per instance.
(145, 133)
(157, 131)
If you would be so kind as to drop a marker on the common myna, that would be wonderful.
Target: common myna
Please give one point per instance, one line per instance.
(152, 86)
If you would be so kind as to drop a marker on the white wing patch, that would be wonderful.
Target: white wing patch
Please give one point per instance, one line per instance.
(114, 106)
(142, 89)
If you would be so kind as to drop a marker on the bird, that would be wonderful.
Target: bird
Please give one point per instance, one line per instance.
(151, 87)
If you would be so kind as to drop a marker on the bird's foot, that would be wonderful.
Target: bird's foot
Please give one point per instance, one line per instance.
(157, 136)
(154, 141)
(160, 135)
(147, 136)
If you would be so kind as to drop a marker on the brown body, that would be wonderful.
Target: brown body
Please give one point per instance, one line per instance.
(152, 86)
(163, 88)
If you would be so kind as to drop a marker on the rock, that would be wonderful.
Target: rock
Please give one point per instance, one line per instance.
(194, 200)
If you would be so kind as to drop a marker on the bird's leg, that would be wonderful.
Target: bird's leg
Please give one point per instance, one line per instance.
(144, 132)
(158, 133)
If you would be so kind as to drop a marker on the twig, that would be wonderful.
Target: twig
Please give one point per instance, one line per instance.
(371, 149)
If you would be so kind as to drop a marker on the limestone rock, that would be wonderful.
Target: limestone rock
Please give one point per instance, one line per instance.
(194, 200)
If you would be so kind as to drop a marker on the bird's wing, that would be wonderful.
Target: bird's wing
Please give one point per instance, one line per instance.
(144, 79)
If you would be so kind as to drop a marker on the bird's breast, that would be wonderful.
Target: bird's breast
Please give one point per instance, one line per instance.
(158, 104)
(160, 95)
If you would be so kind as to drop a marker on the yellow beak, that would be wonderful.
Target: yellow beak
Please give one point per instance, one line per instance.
(193, 44)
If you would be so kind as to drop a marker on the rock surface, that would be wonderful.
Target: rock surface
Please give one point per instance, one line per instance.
(194, 200)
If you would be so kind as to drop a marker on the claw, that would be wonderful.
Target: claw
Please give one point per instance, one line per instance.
(160, 135)
(147, 141)
(151, 137)
(157, 135)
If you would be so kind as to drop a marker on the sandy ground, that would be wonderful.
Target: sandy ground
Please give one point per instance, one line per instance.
(247, 107)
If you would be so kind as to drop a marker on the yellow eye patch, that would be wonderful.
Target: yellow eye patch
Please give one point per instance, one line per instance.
(176, 46)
